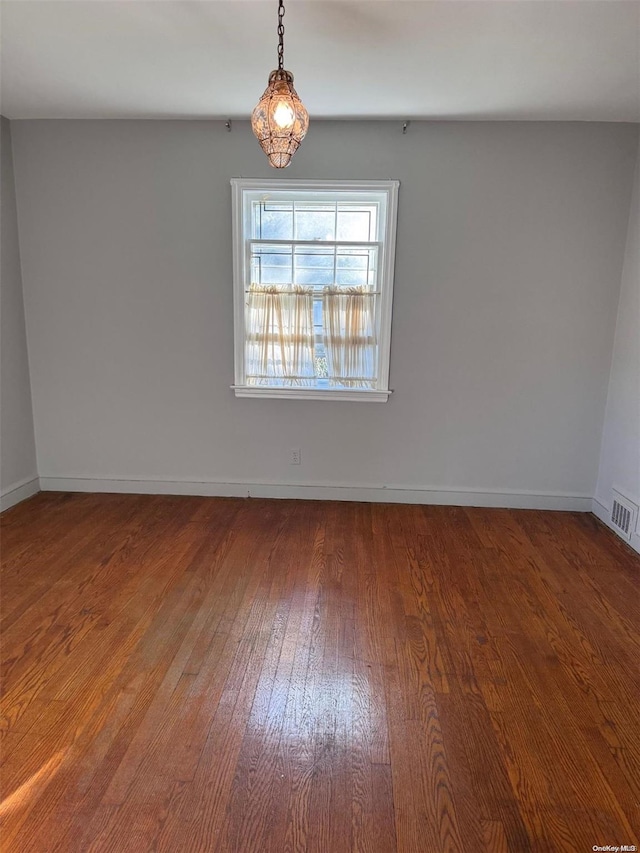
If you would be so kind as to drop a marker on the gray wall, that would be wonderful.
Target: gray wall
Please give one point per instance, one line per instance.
(620, 457)
(509, 256)
(17, 447)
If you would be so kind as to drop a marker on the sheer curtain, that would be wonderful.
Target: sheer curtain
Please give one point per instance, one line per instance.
(350, 336)
(279, 347)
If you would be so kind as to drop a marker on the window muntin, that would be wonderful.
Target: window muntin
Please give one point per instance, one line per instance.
(299, 219)
(315, 265)
(330, 239)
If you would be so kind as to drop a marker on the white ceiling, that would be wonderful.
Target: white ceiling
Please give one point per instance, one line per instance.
(461, 59)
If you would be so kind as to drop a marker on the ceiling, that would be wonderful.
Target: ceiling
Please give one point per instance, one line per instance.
(448, 59)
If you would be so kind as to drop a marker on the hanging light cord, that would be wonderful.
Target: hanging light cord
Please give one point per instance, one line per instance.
(280, 35)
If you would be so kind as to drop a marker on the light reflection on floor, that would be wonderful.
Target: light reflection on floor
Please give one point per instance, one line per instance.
(32, 786)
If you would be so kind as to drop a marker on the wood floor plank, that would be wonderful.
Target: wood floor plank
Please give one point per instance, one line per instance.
(294, 763)
(189, 674)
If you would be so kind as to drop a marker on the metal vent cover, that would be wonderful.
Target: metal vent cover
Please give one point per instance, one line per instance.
(624, 515)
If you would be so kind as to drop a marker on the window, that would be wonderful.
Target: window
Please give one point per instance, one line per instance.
(313, 286)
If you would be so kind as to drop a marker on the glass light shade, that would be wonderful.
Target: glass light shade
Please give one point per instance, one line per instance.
(280, 120)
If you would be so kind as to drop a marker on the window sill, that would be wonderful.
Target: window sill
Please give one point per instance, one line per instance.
(364, 396)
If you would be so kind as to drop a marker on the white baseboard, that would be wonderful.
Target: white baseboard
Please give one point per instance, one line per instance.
(18, 492)
(327, 491)
(336, 492)
(604, 514)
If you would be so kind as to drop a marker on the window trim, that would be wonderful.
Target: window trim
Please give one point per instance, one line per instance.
(387, 267)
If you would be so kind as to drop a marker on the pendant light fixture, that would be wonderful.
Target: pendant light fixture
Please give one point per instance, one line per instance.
(280, 120)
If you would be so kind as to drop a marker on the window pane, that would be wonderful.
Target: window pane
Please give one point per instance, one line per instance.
(356, 223)
(315, 222)
(308, 256)
(316, 266)
(271, 265)
(273, 221)
(356, 267)
(351, 278)
(313, 266)
(275, 258)
(359, 261)
(315, 277)
(275, 275)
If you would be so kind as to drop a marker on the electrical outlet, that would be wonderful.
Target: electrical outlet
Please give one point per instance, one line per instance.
(294, 456)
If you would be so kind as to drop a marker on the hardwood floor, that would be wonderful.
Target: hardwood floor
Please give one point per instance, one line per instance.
(200, 674)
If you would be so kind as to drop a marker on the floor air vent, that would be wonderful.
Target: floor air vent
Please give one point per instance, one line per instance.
(624, 515)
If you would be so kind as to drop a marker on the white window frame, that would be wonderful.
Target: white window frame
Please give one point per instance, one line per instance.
(242, 189)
